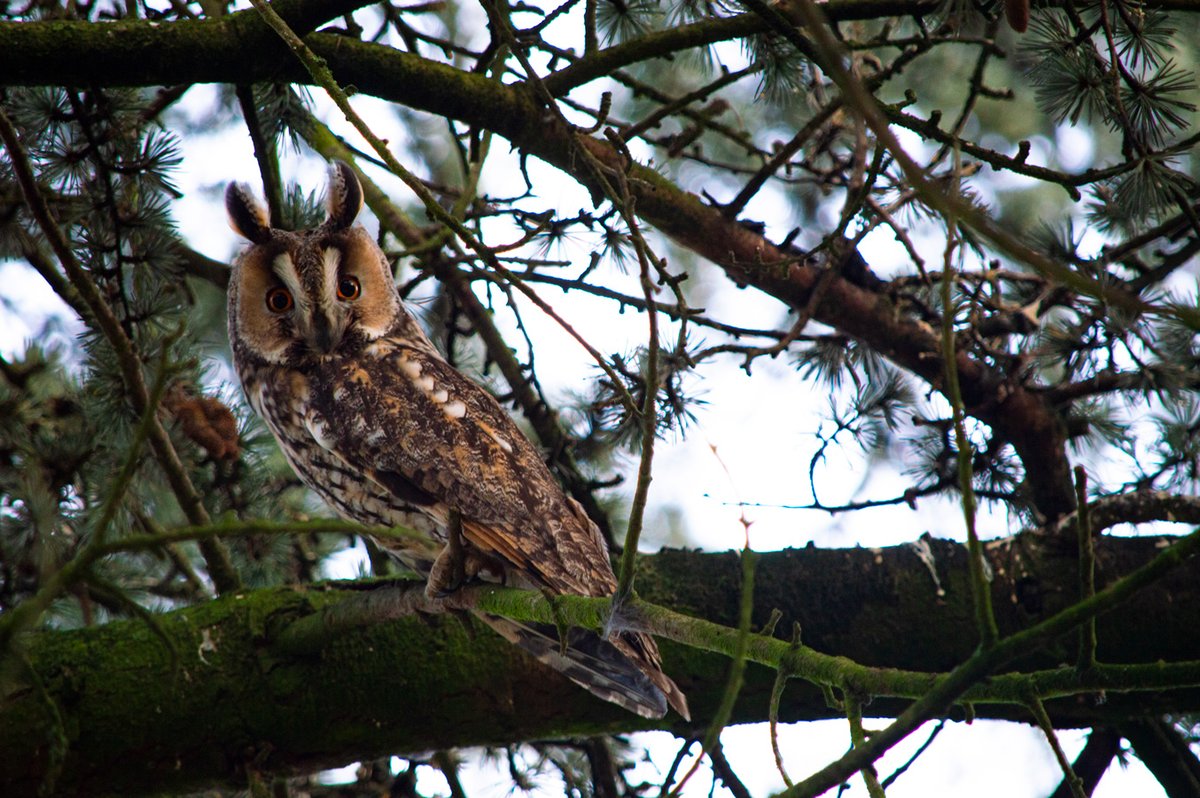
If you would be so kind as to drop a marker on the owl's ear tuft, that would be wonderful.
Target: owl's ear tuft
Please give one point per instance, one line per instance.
(246, 216)
(344, 198)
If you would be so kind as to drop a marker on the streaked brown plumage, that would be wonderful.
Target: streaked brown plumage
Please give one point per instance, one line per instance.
(387, 432)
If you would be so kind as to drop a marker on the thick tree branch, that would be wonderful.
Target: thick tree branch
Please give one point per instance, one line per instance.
(231, 696)
(143, 52)
(138, 53)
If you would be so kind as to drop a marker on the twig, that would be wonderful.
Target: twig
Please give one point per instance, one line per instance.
(652, 120)
(778, 159)
(1087, 570)
(1102, 746)
(981, 594)
(782, 674)
(1043, 722)
(900, 771)
(671, 310)
(803, 317)
(264, 153)
(858, 738)
(737, 668)
(649, 412)
(724, 771)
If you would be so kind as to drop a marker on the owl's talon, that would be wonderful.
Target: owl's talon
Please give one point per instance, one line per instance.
(449, 571)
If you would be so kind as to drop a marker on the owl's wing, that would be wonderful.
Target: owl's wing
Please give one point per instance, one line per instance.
(433, 438)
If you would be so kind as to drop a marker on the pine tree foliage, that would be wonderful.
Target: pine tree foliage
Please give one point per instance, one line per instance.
(979, 248)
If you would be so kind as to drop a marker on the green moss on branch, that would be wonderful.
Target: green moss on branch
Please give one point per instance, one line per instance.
(232, 693)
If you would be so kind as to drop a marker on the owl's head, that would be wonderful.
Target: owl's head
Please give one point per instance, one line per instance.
(295, 296)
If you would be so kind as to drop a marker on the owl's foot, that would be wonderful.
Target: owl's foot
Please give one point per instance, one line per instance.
(447, 575)
(459, 564)
(449, 571)
(452, 571)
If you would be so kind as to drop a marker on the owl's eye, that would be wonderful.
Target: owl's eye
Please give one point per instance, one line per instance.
(349, 289)
(279, 300)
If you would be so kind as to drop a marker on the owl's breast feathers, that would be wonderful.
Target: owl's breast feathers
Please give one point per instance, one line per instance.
(427, 435)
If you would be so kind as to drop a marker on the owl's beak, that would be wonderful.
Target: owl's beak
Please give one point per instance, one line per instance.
(325, 334)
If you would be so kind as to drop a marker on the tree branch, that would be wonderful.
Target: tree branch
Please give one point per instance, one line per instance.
(231, 697)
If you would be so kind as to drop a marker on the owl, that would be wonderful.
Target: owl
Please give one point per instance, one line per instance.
(375, 420)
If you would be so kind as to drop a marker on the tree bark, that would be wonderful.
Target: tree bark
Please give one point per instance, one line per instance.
(205, 691)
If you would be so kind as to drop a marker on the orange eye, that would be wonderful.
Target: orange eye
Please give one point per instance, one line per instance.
(279, 300)
(349, 289)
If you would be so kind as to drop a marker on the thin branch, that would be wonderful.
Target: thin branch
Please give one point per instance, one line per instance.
(1137, 507)
(653, 120)
(264, 154)
(1102, 747)
(737, 668)
(981, 594)
(1086, 657)
(671, 310)
(725, 773)
(649, 409)
(900, 771)
(782, 674)
(1043, 721)
(858, 738)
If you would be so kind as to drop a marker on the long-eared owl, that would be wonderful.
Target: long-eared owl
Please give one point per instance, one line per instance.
(374, 420)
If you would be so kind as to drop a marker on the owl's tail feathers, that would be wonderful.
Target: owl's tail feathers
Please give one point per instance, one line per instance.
(615, 672)
(642, 649)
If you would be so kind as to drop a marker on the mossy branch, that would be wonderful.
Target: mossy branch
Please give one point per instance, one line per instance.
(799, 661)
(236, 693)
(958, 682)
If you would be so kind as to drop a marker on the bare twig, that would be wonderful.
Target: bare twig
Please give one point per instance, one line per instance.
(1087, 570)
(1043, 722)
